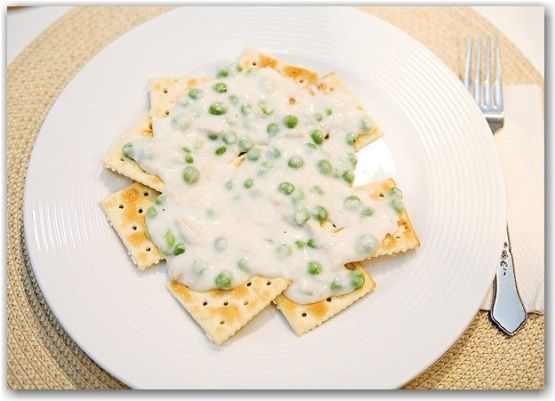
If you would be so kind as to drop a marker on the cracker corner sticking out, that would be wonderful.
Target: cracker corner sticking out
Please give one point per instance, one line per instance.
(405, 238)
(164, 93)
(303, 318)
(117, 162)
(222, 313)
(253, 58)
(331, 83)
(126, 211)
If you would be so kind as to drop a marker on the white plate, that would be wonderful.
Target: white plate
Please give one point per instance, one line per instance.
(436, 145)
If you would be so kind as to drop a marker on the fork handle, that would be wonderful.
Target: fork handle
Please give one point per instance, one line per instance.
(507, 311)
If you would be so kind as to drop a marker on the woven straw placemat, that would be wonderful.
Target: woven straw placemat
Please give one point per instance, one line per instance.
(42, 356)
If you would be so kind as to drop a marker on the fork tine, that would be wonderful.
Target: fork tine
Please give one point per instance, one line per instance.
(498, 81)
(477, 72)
(468, 64)
(487, 82)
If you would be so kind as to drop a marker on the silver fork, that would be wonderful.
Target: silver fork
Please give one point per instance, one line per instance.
(507, 311)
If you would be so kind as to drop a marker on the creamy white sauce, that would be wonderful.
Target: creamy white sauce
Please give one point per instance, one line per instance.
(230, 222)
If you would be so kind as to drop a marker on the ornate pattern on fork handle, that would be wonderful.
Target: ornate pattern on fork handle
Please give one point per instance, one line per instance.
(507, 310)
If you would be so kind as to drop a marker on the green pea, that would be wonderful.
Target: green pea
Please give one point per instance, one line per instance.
(161, 199)
(397, 205)
(213, 136)
(245, 144)
(265, 168)
(264, 108)
(367, 212)
(220, 87)
(254, 154)
(352, 158)
(234, 100)
(324, 166)
(295, 162)
(179, 249)
(223, 73)
(348, 176)
(310, 146)
(189, 159)
(357, 279)
(329, 112)
(229, 184)
(272, 129)
(351, 138)
(217, 109)
(195, 93)
(243, 265)
(335, 285)
(223, 280)
(170, 238)
(229, 137)
(318, 117)
(190, 175)
(314, 268)
(297, 196)
(317, 136)
(290, 121)
(151, 212)
(365, 125)
(180, 121)
(316, 189)
(367, 245)
(186, 149)
(300, 244)
(395, 193)
(246, 109)
(273, 153)
(220, 151)
(128, 150)
(352, 202)
(286, 188)
(220, 244)
(283, 251)
(301, 216)
(320, 213)
(248, 183)
(312, 243)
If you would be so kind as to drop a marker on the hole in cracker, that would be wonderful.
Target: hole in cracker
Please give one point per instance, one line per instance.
(140, 211)
(301, 81)
(226, 303)
(303, 314)
(167, 112)
(147, 249)
(121, 206)
(292, 100)
(328, 299)
(268, 283)
(145, 194)
(204, 303)
(165, 91)
(134, 228)
(327, 136)
(249, 284)
(222, 321)
(246, 303)
(122, 159)
(381, 195)
(254, 63)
